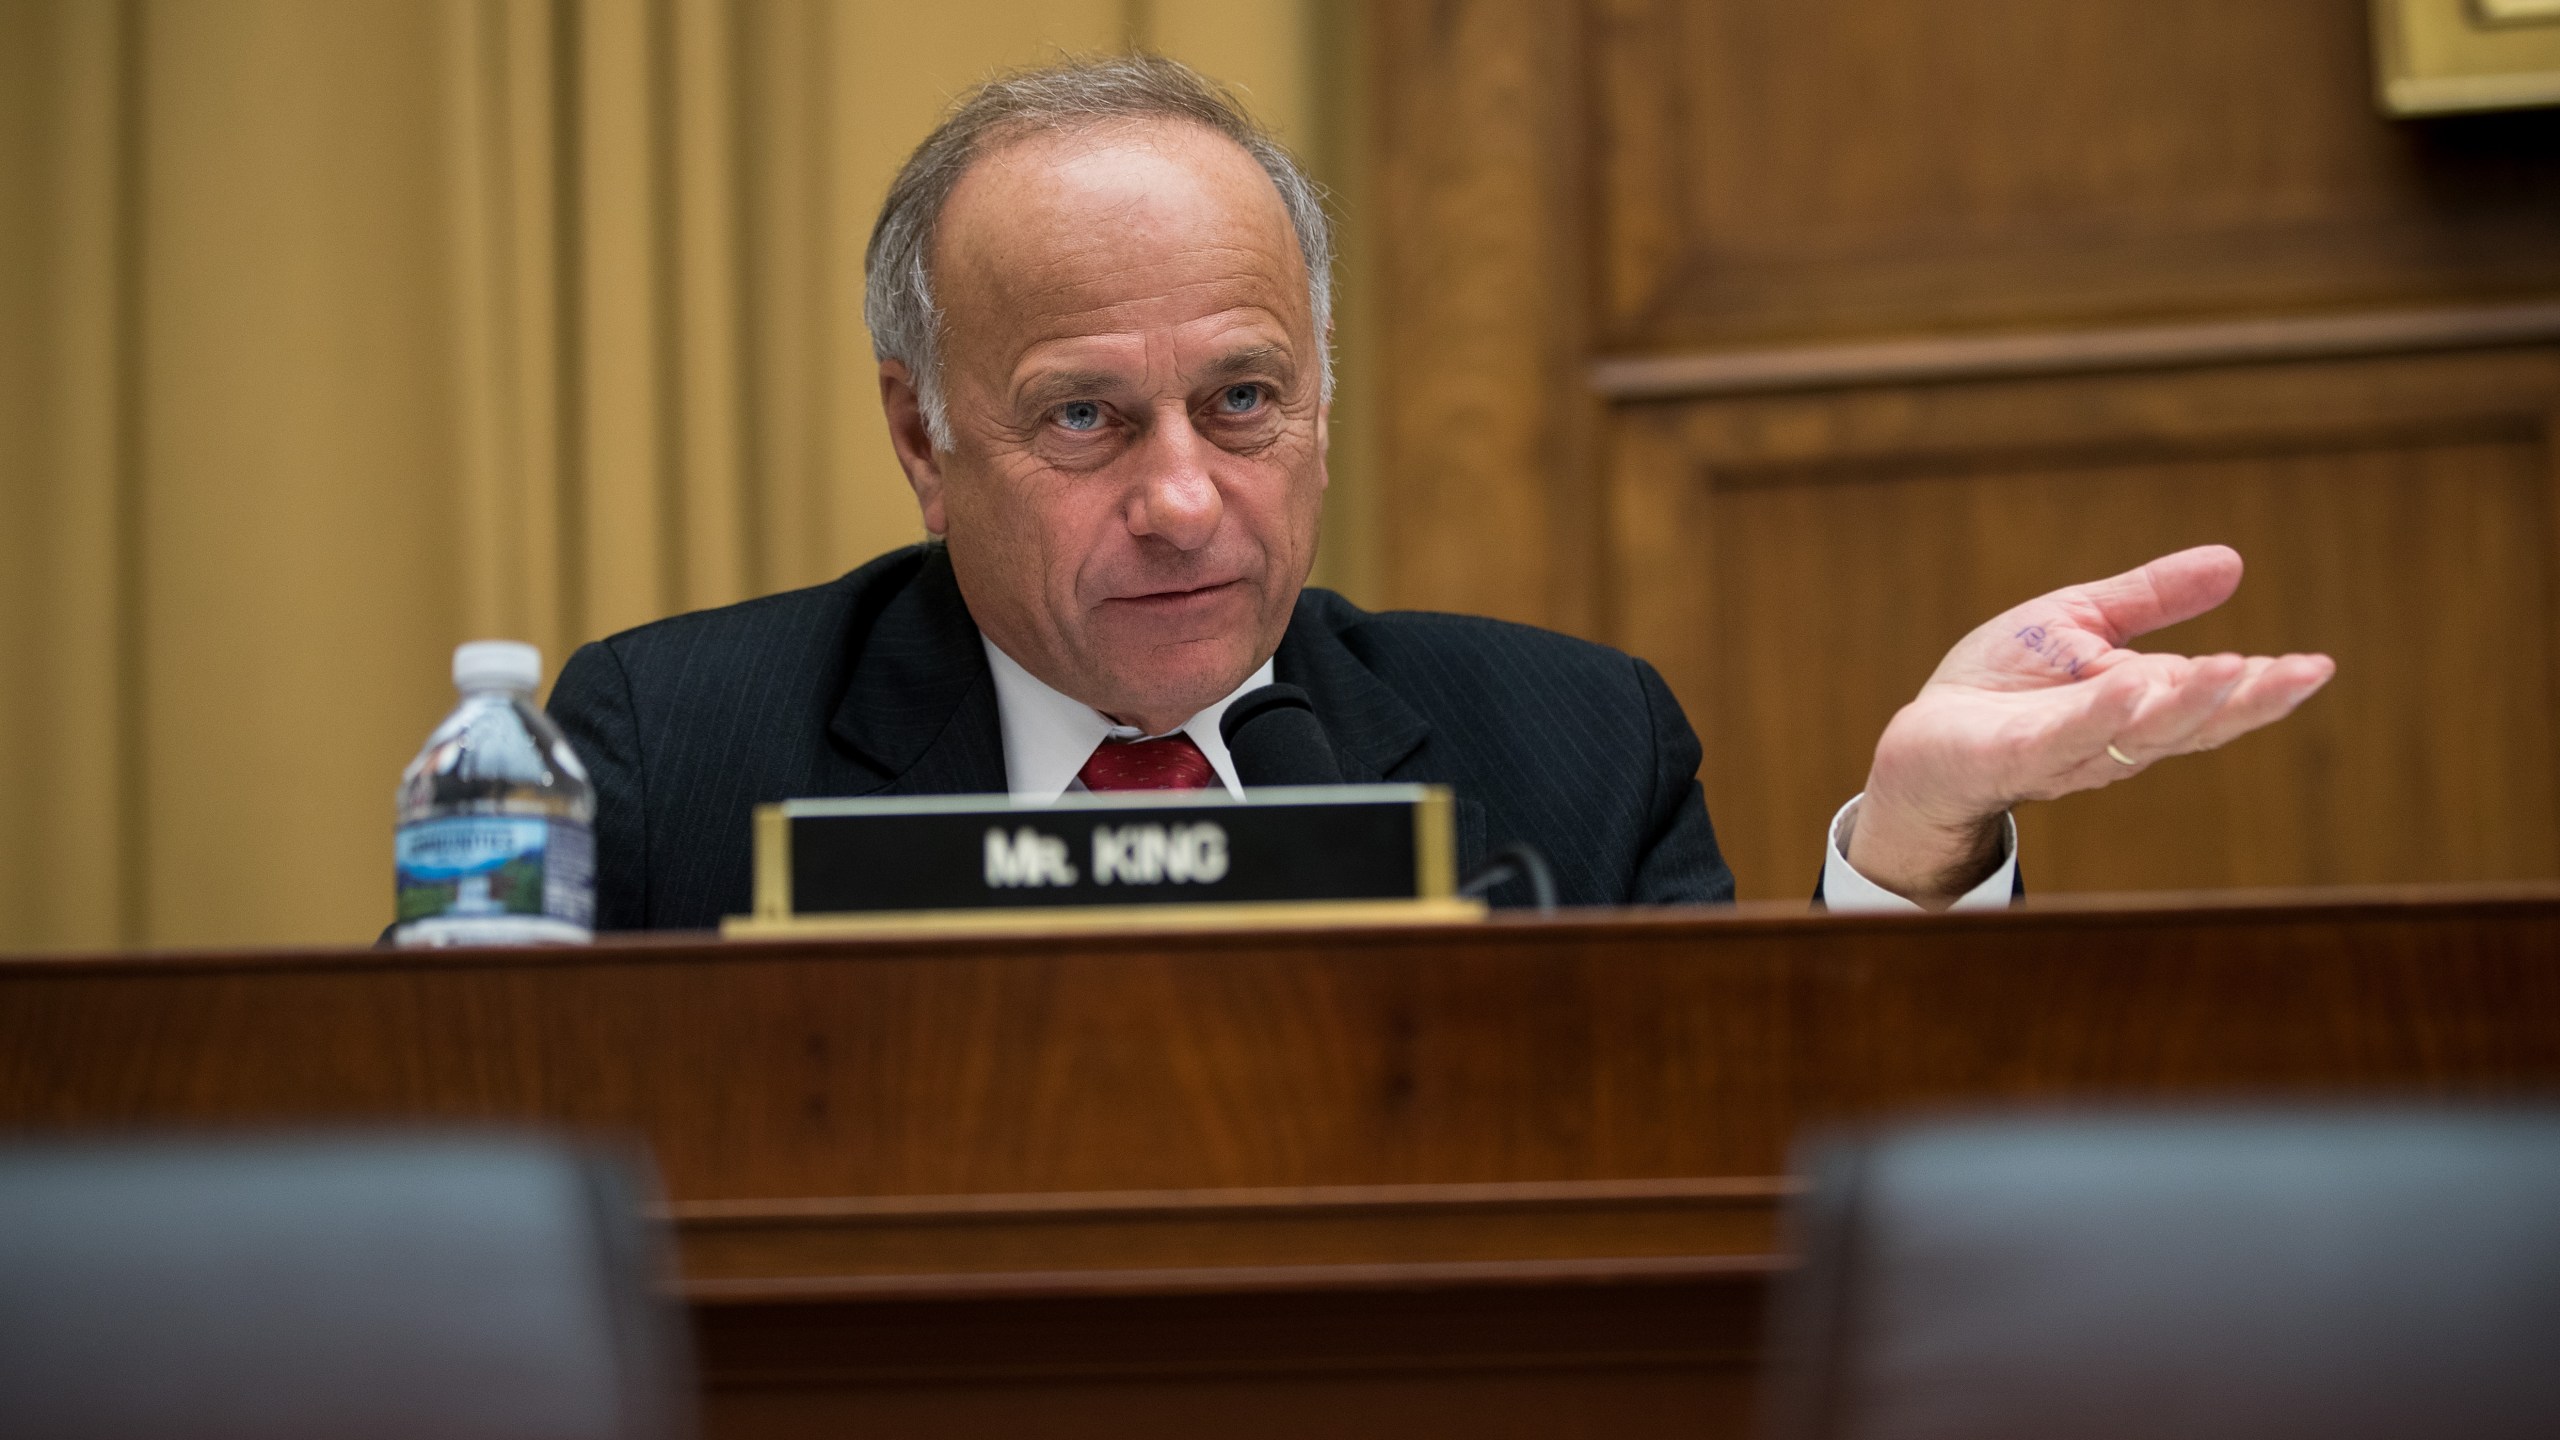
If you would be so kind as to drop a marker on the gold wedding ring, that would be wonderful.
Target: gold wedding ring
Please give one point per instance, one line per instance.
(2120, 757)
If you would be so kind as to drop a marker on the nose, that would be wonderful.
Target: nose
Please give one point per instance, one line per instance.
(1176, 501)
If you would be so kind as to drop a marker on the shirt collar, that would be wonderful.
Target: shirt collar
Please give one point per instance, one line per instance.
(1048, 735)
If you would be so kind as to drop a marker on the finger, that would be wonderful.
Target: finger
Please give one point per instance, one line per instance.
(2175, 713)
(2108, 704)
(2167, 590)
(2093, 773)
(2274, 688)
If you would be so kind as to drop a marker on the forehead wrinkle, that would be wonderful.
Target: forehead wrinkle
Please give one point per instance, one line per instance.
(1047, 314)
(1137, 318)
(1113, 324)
(1242, 335)
(1109, 268)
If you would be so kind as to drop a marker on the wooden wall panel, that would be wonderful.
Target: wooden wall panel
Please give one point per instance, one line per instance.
(1893, 313)
(2398, 514)
(1800, 169)
(1484, 502)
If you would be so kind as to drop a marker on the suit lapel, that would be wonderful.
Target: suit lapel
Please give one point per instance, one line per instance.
(918, 713)
(1372, 728)
(919, 706)
(1374, 731)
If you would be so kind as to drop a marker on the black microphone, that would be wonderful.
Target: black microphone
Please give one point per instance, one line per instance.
(1274, 738)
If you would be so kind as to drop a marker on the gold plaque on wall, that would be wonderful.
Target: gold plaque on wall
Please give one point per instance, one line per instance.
(2437, 57)
(2519, 12)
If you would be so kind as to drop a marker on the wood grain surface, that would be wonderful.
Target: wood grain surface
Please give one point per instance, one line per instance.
(1789, 170)
(1479, 176)
(1781, 342)
(1520, 1177)
(2114, 350)
(1797, 564)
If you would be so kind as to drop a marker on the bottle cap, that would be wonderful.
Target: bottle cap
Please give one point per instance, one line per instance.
(496, 665)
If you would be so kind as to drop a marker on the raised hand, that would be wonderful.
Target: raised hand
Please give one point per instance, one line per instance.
(2044, 700)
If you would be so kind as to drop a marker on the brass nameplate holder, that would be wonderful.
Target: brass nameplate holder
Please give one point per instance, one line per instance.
(1350, 854)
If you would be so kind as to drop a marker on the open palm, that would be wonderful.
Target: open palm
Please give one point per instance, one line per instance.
(2044, 700)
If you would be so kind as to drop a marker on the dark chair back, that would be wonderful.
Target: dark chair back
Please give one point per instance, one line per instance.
(2168, 1277)
(466, 1288)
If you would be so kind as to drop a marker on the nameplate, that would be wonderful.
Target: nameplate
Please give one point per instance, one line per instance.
(980, 854)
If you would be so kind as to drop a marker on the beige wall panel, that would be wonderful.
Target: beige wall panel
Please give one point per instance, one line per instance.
(502, 66)
(63, 480)
(297, 449)
(627, 557)
(25, 176)
(790, 374)
(710, 507)
(1264, 51)
(89, 795)
(332, 335)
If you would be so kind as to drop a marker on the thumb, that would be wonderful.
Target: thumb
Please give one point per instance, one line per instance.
(2163, 592)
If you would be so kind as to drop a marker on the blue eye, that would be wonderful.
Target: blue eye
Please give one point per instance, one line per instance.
(1240, 399)
(1080, 415)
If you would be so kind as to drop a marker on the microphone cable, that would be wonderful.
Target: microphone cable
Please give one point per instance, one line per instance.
(1516, 861)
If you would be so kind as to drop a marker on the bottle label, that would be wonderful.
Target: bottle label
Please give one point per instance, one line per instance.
(475, 866)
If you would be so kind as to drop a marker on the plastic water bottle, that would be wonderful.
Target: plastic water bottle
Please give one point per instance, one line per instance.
(496, 842)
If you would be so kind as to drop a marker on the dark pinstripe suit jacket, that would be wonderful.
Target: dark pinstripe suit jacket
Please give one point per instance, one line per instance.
(877, 685)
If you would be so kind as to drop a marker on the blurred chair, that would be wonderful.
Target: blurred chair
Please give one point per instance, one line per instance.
(467, 1288)
(2159, 1277)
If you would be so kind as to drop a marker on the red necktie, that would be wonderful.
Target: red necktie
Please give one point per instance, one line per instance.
(1172, 763)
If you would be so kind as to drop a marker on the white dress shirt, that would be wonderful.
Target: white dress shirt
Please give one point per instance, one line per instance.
(1843, 888)
(1049, 735)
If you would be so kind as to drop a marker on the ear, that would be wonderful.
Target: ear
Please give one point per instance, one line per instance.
(913, 442)
(1324, 409)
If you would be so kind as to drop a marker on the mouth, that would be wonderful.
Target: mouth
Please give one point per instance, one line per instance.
(1175, 601)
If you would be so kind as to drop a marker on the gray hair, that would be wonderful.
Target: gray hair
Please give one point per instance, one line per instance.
(897, 297)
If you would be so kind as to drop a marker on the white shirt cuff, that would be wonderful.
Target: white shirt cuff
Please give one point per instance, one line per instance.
(1844, 889)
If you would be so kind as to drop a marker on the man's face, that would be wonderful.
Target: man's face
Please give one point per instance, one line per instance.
(1138, 428)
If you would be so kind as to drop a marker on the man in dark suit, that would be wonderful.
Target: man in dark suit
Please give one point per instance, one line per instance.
(1101, 300)
(878, 685)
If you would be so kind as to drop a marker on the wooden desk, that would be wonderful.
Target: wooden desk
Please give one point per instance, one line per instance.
(1521, 1178)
